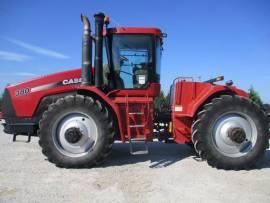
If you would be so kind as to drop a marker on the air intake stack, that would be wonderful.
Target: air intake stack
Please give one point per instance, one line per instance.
(86, 52)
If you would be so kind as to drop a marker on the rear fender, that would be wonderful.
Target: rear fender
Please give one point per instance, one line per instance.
(190, 96)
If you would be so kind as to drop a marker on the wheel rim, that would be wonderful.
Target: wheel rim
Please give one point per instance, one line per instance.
(234, 134)
(75, 134)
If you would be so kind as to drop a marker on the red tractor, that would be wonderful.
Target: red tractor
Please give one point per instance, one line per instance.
(78, 114)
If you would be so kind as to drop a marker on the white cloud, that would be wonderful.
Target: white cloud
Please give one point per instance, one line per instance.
(23, 74)
(12, 56)
(38, 49)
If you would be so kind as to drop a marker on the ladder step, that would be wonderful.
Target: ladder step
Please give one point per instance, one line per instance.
(136, 126)
(138, 139)
(135, 113)
(138, 152)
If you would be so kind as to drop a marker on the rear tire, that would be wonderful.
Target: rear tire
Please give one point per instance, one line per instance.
(76, 131)
(266, 109)
(230, 132)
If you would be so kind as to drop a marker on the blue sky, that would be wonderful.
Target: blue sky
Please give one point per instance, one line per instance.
(206, 38)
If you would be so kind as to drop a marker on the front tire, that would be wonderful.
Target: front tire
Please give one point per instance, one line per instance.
(76, 131)
(230, 132)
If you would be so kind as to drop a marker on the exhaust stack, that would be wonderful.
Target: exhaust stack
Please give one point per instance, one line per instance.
(86, 52)
(99, 23)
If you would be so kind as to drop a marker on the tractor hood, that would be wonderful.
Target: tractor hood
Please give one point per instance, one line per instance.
(19, 99)
(46, 82)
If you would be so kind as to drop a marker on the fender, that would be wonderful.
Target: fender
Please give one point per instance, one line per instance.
(215, 91)
(190, 96)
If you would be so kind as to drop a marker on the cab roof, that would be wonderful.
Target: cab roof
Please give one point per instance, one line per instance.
(135, 30)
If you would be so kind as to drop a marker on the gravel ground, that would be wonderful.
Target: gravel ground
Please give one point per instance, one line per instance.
(170, 173)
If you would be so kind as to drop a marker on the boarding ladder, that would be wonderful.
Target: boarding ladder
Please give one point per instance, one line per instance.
(137, 119)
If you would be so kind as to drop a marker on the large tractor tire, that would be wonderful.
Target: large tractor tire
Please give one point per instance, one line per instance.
(76, 131)
(230, 132)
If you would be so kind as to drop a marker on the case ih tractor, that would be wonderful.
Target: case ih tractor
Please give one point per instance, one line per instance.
(78, 114)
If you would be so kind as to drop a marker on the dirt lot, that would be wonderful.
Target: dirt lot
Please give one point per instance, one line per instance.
(169, 173)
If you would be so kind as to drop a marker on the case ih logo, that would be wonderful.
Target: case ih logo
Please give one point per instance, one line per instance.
(22, 91)
(72, 81)
(57, 84)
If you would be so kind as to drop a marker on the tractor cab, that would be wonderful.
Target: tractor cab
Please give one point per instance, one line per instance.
(131, 58)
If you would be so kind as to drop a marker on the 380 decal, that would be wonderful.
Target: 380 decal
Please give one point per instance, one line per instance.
(23, 91)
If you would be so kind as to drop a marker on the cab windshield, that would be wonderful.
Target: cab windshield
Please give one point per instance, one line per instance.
(132, 57)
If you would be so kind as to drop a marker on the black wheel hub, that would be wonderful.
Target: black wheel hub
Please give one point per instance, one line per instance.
(73, 135)
(237, 135)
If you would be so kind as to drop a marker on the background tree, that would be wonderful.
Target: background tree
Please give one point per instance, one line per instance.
(1, 102)
(162, 102)
(254, 96)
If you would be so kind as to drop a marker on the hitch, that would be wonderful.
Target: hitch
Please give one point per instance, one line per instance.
(28, 140)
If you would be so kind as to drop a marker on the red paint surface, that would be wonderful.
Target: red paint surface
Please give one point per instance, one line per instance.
(134, 30)
(190, 96)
